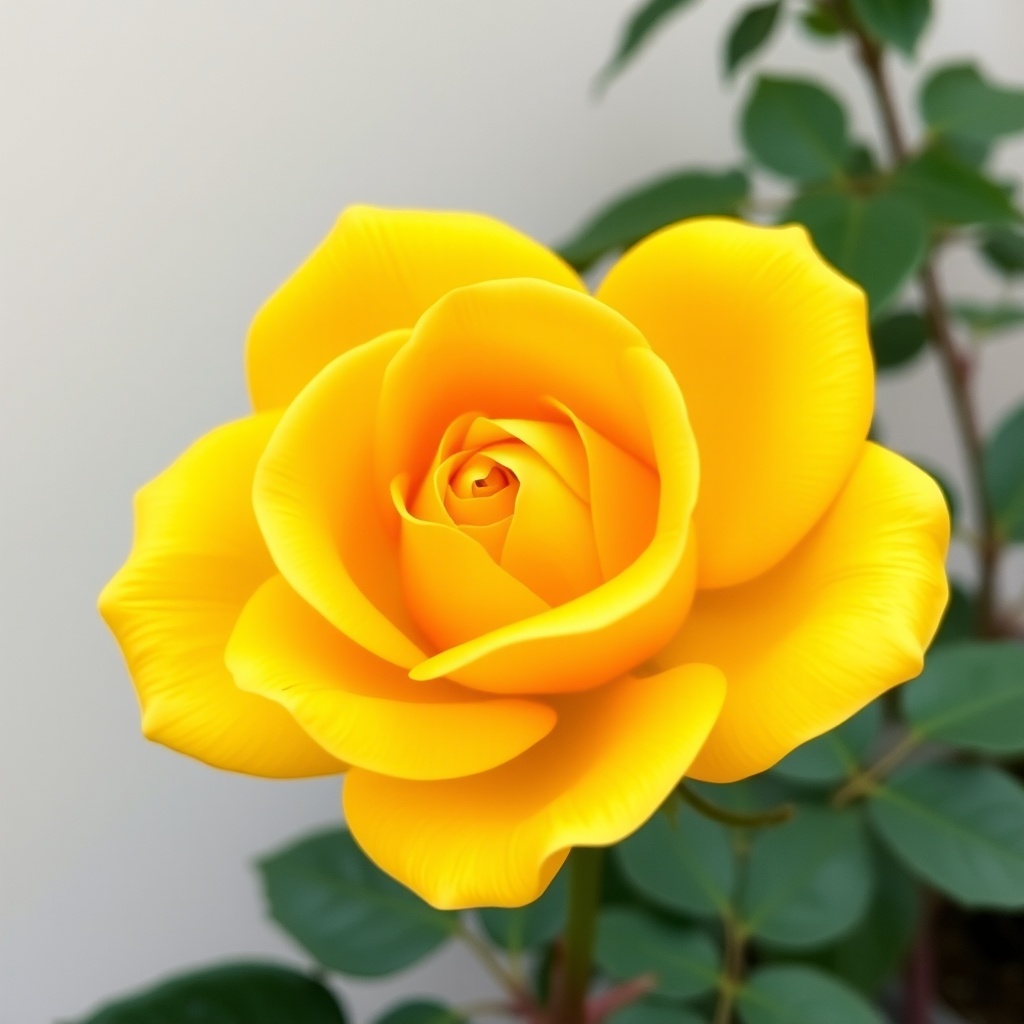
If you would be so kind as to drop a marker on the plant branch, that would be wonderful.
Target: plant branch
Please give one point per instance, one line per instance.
(758, 819)
(521, 999)
(569, 992)
(864, 781)
(731, 979)
(956, 366)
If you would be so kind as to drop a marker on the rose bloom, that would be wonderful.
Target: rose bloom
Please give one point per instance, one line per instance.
(516, 557)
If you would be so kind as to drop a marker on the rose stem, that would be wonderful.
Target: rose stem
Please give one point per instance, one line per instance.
(585, 864)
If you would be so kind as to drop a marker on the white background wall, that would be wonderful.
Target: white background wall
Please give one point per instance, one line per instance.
(164, 165)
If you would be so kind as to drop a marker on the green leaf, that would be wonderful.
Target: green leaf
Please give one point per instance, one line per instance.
(793, 994)
(960, 620)
(652, 206)
(421, 1011)
(332, 899)
(796, 128)
(1004, 249)
(631, 943)
(533, 925)
(644, 22)
(1004, 475)
(873, 952)
(961, 827)
(649, 1012)
(750, 32)
(836, 755)
(898, 23)
(957, 100)
(879, 241)
(808, 881)
(822, 22)
(686, 865)
(972, 696)
(949, 191)
(986, 319)
(898, 338)
(245, 993)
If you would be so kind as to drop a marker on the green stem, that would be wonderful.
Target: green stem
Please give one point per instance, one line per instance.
(758, 819)
(585, 864)
(734, 960)
(863, 782)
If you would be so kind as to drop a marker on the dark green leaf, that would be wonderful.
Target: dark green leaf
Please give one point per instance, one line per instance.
(650, 1012)
(686, 865)
(808, 881)
(643, 23)
(246, 993)
(751, 31)
(822, 22)
(952, 504)
(861, 161)
(1004, 249)
(793, 994)
(652, 206)
(949, 191)
(1004, 474)
(898, 23)
(352, 917)
(988, 319)
(421, 1011)
(836, 755)
(630, 943)
(960, 621)
(961, 827)
(957, 100)
(878, 241)
(874, 951)
(970, 695)
(796, 128)
(968, 150)
(897, 338)
(533, 925)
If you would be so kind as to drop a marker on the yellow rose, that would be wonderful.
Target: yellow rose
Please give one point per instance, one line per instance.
(517, 557)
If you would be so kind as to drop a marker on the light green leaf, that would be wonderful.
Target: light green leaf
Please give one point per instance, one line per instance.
(1004, 475)
(970, 695)
(630, 943)
(898, 338)
(957, 100)
(686, 865)
(345, 911)
(533, 925)
(794, 994)
(641, 26)
(421, 1011)
(750, 32)
(245, 993)
(949, 191)
(836, 755)
(649, 1012)
(653, 206)
(961, 827)
(873, 952)
(1004, 249)
(989, 319)
(896, 22)
(796, 128)
(878, 241)
(808, 881)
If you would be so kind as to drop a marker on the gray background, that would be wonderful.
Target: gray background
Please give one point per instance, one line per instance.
(164, 166)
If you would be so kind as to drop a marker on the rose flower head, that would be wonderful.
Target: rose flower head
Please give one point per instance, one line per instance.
(516, 557)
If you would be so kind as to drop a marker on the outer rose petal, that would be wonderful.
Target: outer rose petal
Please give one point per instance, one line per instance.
(770, 346)
(626, 620)
(377, 271)
(197, 558)
(364, 710)
(315, 502)
(497, 839)
(846, 616)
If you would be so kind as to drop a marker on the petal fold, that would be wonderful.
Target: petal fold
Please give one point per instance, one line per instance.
(770, 347)
(843, 618)
(498, 838)
(366, 711)
(377, 271)
(197, 558)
